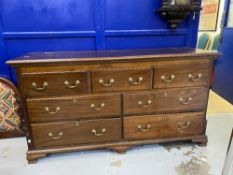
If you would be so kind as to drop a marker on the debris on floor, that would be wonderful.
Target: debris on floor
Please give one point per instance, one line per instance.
(195, 160)
(195, 166)
(117, 163)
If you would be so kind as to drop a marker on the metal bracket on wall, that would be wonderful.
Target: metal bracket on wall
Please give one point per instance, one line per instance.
(176, 11)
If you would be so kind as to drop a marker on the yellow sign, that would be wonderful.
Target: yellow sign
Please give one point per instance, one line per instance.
(209, 15)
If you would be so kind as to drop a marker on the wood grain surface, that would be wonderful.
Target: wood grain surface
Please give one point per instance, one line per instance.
(55, 83)
(163, 125)
(122, 98)
(184, 75)
(75, 107)
(76, 132)
(123, 79)
(165, 101)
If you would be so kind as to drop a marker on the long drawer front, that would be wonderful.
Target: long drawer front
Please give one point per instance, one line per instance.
(162, 126)
(76, 107)
(165, 101)
(76, 132)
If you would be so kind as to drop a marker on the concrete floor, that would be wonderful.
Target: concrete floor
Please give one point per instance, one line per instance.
(178, 159)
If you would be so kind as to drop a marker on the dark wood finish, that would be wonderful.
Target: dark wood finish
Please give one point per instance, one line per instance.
(163, 125)
(184, 75)
(9, 134)
(53, 84)
(201, 141)
(76, 132)
(75, 107)
(120, 113)
(165, 101)
(84, 57)
(121, 147)
(32, 158)
(122, 79)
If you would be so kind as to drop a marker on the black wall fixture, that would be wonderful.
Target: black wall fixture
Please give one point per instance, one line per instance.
(174, 11)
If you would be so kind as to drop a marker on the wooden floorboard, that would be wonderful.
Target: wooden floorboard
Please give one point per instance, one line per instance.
(218, 105)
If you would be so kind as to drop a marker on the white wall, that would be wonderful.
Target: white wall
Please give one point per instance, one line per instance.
(230, 15)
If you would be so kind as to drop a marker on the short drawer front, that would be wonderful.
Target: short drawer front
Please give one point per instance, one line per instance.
(77, 107)
(50, 84)
(73, 133)
(118, 80)
(161, 126)
(182, 76)
(165, 101)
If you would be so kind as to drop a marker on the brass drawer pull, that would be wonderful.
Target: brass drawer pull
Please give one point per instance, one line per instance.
(183, 125)
(163, 118)
(194, 78)
(100, 133)
(59, 136)
(168, 79)
(135, 82)
(96, 108)
(185, 102)
(146, 105)
(145, 129)
(34, 85)
(52, 112)
(67, 83)
(106, 84)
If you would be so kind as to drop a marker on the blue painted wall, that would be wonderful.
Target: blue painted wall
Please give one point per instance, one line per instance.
(52, 25)
(223, 81)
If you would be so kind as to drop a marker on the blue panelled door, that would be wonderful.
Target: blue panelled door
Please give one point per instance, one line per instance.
(53, 25)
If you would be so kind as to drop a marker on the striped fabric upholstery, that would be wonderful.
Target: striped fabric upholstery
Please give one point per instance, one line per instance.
(9, 109)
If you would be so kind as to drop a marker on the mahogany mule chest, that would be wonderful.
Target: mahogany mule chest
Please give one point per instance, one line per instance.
(113, 99)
